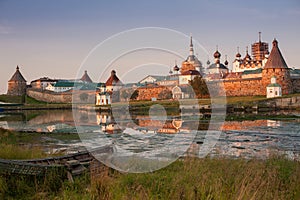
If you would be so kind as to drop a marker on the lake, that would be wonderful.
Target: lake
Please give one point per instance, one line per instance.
(171, 135)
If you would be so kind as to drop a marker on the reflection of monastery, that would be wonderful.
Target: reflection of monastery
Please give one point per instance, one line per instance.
(263, 73)
(144, 124)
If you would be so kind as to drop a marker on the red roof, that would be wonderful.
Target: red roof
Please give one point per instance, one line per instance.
(275, 59)
(113, 79)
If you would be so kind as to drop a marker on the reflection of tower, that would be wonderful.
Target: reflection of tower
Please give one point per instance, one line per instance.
(177, 123)
(17, 84)
(108, 124)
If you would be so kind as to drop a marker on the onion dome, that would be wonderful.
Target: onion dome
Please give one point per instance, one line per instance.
(176, 68)
(247, 57)
(208, 62)
(226, 62)
(217, 54)
(238, 55)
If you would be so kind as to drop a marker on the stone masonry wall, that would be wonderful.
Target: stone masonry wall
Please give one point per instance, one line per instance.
(237, 87)
(146, 93)
(63, 97)
(50, 97)
(250, 87)
(16, 88)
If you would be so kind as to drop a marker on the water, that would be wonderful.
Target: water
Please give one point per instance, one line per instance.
(150, 137)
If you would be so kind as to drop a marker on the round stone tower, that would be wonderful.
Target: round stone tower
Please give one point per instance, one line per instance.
(276, 66)
(17, 84)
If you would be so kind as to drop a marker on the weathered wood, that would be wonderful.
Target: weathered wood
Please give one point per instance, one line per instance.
(74, 163)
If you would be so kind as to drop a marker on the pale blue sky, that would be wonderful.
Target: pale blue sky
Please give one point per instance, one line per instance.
(52, 38)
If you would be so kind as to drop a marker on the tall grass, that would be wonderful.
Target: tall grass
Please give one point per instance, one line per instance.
(9, 151)
(208, 178)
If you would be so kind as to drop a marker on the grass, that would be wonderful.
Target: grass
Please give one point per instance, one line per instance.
(249, 116)
(207, 178)
(14, 145)
(10, 99)
(18, 145)
(32, 101)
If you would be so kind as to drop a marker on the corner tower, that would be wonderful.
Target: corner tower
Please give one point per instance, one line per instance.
(276, 66)
(17, 84)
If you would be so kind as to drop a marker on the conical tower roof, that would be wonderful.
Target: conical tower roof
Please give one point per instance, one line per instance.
(113, 79)
(275, 59)
(17, 76)
(86, 77)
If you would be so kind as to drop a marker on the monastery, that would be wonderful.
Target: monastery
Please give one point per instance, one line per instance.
(264, 73)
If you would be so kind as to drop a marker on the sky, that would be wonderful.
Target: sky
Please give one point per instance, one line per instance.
(55, 38)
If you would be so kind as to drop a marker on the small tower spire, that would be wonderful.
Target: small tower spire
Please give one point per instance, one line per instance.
(259, 36)
(191, 47)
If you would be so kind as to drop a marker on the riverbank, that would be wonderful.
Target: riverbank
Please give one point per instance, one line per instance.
(207, 178)
(231, 104)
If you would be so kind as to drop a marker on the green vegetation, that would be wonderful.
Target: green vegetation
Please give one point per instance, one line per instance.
(18, 145)
(32, 101)
(208, 178)
(235, 117)
(11, 146)
(10, 99)
(142, 107)
(199, 87)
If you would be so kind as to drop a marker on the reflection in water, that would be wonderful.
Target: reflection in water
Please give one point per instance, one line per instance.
(249, 138)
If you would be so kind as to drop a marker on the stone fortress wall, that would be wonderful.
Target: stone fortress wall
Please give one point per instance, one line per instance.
(50, 97)
(250, 87)
(61, 97)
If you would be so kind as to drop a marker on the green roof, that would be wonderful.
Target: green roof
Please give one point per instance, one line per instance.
(295, 71)
(86, 86)
(256, 71)
(100, 84)
(274, 85)
(64, 84)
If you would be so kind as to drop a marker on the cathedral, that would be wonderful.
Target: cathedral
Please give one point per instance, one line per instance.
(263, 73)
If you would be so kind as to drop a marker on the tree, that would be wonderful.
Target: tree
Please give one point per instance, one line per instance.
(199, 86)
(134, 95)
(165, 94)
